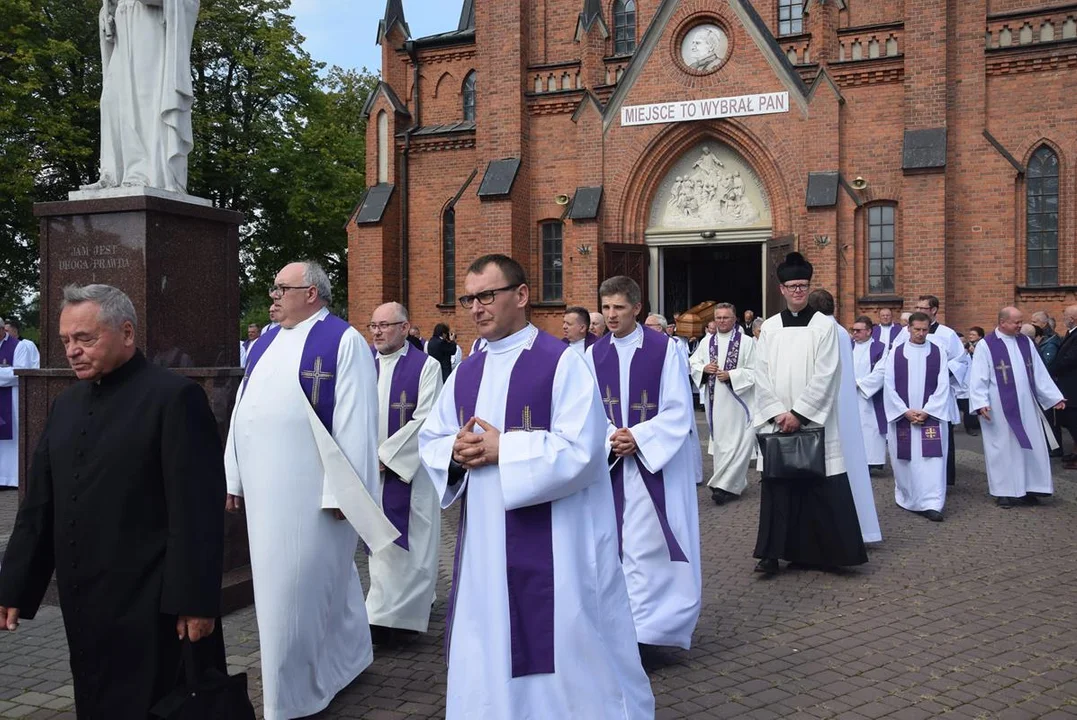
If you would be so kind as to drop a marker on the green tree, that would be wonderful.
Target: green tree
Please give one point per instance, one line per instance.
(51, 70)
(273, 139)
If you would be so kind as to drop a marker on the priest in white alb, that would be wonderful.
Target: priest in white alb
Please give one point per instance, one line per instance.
(852, 441)
(869, 370)
(14, 354)
(302, 462)
(917, 398)
(538, 623)
(574, 329)
(722, 370)
(957, 360)
(1008, 386)
(644, 385)
(403, 576)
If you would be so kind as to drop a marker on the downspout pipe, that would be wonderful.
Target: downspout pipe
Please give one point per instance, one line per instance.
(405, 185)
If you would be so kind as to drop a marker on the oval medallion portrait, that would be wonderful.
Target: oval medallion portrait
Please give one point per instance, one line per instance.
(704, 47)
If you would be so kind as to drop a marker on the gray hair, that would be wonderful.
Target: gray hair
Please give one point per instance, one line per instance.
(116, 307)
(314, 274)
(758, 322)
(728, 306)
(661, 320)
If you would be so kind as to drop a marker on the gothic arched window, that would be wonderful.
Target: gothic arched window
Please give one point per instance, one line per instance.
(469, 96)
(624, 27)
(552, 278)
(383, 147)
(1041, 198)
(448, 256)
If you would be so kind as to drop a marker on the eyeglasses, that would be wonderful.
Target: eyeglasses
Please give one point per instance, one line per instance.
(383, 326)
(797, 288)
(485, 297)
(277, 291)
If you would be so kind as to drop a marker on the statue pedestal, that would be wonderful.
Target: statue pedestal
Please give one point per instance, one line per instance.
(179, 263)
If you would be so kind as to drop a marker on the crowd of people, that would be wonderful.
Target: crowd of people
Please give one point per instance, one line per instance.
(574, 462)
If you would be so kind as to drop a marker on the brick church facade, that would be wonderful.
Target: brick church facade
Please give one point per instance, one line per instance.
(923, 146)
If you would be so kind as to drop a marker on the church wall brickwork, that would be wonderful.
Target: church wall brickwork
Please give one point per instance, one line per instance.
(959, 228)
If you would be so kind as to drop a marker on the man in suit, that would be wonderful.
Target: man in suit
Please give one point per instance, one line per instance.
(1064, 372)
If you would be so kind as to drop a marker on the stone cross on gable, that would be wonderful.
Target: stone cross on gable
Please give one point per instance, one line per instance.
(1003, 368)
(610, 401)
(525, 421)
(643, 406)
(317, 376)
(403, 406)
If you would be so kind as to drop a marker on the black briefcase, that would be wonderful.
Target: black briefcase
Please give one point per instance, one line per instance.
(799, 455)
(209, 695)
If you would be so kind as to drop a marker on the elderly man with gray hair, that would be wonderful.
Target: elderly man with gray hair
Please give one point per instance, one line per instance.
(302, 459)
(123, 501)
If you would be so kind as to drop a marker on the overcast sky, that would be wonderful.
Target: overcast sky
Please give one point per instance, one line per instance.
(342, 32)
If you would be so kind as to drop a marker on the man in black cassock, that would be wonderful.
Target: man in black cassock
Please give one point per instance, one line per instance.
(124, 501)
(797, 381)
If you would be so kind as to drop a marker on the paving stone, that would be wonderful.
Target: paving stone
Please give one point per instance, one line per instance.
(971, 619)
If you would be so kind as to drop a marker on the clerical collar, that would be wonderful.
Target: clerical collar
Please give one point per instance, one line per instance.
(926, 344)
(524, 336)
(633, 338)
(800, 319)
(308, 322)
(728, 334)
(125, 371)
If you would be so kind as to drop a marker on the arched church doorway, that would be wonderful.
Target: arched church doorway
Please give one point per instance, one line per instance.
(707, 233)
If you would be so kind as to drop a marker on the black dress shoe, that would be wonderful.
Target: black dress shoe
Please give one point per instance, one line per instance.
(1005, 502)
(721, 497)
(767, 566)
(1037, 494)
(381, 635)
(932, 515)
(1030, 499)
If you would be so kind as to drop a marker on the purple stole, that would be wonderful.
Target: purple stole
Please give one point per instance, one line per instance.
(644, 380)
(317, 366)
(875, 354)
(1007, 388)
(528, 530)
(877, 331)
(477, 347)
(732, 355)
(930, 437)
(403, 398)
(7, 394)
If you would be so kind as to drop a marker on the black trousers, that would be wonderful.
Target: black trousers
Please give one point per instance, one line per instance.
(951, 456)
(971, 422)
(1067, 419)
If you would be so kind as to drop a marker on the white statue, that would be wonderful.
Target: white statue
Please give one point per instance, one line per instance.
(146, 93)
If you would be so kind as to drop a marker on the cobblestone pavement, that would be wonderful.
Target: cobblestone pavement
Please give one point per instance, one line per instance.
(970, 618)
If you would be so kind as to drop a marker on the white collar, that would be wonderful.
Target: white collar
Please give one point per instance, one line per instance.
(523, 337)
(633, 338)
(316, 317)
